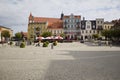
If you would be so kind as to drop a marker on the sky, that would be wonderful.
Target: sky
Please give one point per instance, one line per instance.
(14, 13)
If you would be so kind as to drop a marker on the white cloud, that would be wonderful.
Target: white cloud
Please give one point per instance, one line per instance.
(14, 13)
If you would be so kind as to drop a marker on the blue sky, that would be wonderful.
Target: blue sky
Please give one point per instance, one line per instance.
(14, 13)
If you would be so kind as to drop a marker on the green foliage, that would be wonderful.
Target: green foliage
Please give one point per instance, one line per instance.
(5, 34)
(22, 45)
(11, 43)
(62, 35)
(55, 43)
(106, 33)
(95, 36)
(116, 33)
(18, 36)
(45, 44)
(37, 29)
(46, 34)
(111, 33)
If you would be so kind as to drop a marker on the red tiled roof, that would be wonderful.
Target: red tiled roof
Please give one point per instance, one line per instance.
(45, 19)
(52, 22)
(24, 34)
(56, 25)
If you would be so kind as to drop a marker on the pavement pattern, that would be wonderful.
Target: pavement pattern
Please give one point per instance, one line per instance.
(67, 61)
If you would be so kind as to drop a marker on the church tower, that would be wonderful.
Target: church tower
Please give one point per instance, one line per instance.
(62, 15)
(30, 18)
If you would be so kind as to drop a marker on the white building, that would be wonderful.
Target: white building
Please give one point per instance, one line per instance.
(71, 25)
(88, 28)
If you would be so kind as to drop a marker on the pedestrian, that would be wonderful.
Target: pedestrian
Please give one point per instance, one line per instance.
(110, 44)
(51, 45)
(99, 43)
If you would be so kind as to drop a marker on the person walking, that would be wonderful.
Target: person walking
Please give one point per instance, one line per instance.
(110, 43)
(51, 45)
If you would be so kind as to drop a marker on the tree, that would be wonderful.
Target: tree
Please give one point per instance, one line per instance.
(5, 34)
(46, 34)
(62, 35)
(106, 33)
(116, 34)
(116, 24)
(95, 36)
(18, 36)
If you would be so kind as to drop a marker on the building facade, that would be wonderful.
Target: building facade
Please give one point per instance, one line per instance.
(2, 28)
(108, 25)
(71, 26)
(99, 25)
(56, 29)
(39, 25)
(88, 28)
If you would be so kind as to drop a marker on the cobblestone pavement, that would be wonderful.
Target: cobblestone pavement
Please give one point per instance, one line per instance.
(72, 61)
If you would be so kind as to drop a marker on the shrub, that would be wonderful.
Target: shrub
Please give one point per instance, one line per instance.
(55, 43)
(22, 45)
(11, 43)
(45, 44)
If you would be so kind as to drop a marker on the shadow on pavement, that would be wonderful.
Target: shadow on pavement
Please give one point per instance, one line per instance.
(87, 65)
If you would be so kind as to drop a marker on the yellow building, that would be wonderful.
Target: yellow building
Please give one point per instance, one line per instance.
(2, 28)
(38, 25)
(108, 25)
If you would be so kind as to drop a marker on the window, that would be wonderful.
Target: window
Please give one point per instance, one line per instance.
(73, 20)
(98, 22)
(93, 31)
(82, 31)
(86, 31)
(90, 31)
(67, 20)
(88, 26)
(93, 26)
(82, 26)
(71, 26)
(105, 27)
(76, 20)
(68, 26)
